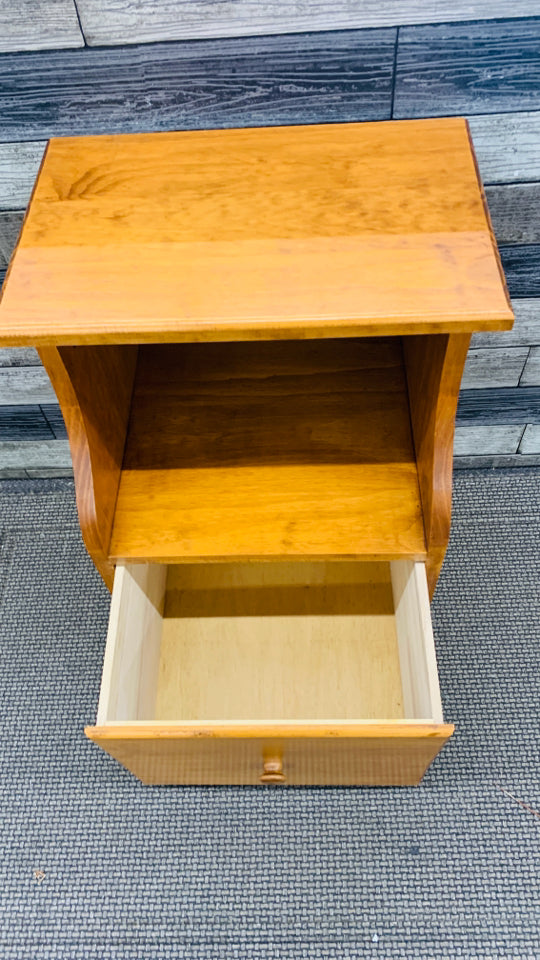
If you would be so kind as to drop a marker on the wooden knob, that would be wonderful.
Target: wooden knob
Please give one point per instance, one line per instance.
(273, 771)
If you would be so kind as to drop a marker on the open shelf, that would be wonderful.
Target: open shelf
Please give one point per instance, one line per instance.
(269, 450)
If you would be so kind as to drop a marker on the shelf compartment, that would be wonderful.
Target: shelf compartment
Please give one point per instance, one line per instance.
(269, 450)
(326, 670)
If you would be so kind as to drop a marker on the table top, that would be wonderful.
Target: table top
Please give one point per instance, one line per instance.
(357, 229)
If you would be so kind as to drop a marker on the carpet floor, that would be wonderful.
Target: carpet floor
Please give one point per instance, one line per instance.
(95, 866)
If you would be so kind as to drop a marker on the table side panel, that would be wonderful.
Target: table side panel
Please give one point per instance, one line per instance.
(94, 387)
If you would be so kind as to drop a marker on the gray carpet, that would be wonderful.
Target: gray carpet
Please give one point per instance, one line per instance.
(446, 870)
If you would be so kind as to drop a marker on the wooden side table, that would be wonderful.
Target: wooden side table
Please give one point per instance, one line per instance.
(257, 338)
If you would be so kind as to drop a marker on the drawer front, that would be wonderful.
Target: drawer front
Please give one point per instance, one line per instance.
(293, 674)
(378, 754)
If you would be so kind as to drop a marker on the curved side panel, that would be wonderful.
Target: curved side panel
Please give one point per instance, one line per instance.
(94, 387)
(434, 367)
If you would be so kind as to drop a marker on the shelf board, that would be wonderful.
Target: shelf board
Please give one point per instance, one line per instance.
(269, 450)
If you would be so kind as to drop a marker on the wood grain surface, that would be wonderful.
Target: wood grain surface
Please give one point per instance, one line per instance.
(24, 385)
(307, 641)
(37, 458)
(531, 374)
(27, 25)
(494, 367)
(485, 440)
(19, 357)
(250, 81)
(468, 68)
(283, 240)
(131, 663)
(434, 367)
(377, 754)
(24, 423)
(147, 21)
(53, 416)
(491, 407)
(479, 461)
(19, 165)
(270, 642)
(530, 441)
(506, 145)
(521, 264)
(515, 212)
(94, 387)
(414, 629)
(524, 333)
(10, 227)
(292, 429)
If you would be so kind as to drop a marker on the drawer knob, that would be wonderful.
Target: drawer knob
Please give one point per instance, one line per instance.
(272, 771)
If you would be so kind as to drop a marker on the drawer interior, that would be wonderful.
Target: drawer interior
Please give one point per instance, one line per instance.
(270, 642)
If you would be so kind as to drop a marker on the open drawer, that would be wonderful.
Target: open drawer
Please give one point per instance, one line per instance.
(271, 672)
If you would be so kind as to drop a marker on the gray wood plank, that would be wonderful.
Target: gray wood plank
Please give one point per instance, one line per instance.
(47, 24)
(530, 442)
(8, 474)
(19, 165)
(531, 374)
(55, 420)
(484, 440)
(309, 78)
(49, 473)
(25, 385)
(507, 146)
(43, 473)
(503, 461)
(521, 264)
(494, 367)
(505, 406)
(144, 21)
(34, 455)
(19, 357)
(24, 424)
(515, 211)
(10, 227)
(526, 329)
(468, 68)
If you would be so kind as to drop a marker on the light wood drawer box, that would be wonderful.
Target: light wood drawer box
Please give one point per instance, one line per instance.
(294, 673)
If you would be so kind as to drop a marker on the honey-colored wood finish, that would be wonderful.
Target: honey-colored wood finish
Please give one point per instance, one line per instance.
(267, 653)
(269, 450)
(359, 754)
(434, 368)
(367, 252)
(311, 231)
(94, 388)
